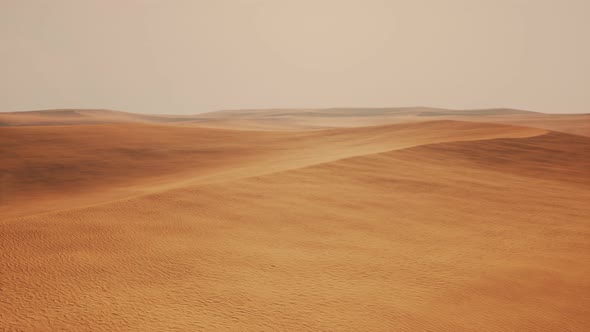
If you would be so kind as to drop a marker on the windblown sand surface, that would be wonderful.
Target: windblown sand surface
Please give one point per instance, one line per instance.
(417, 226)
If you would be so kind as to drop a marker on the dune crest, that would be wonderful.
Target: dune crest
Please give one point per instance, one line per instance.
(56, 167)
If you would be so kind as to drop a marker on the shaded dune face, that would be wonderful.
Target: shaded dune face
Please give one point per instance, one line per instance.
(45, 162)
(431, 226)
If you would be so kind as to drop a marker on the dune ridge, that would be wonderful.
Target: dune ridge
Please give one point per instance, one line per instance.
(47, 165)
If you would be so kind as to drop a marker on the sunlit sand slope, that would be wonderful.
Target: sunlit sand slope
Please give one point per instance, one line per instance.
(58, 167)
(480, 235)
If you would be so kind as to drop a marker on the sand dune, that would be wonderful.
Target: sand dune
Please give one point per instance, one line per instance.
(82, 116)
(304, 119)
(422, 226)
(578, 124)
(49, 167)
(291, 119)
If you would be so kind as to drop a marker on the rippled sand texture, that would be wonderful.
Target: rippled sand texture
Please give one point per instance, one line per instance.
(417, 226)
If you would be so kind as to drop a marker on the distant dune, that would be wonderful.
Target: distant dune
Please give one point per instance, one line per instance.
(81, 116)
(305, 119)
(318, 220)
(292, 119)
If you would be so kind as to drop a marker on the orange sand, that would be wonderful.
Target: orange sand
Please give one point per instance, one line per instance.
(418, 226)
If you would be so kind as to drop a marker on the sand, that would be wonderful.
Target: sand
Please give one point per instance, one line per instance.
(419, 226)
(305, 119)
(309, 119)
(85, 116)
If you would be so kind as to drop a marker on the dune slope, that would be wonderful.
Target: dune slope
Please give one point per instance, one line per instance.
(469, 227)
(56, 167)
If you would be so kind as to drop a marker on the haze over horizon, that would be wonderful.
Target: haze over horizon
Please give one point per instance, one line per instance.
(187, 57)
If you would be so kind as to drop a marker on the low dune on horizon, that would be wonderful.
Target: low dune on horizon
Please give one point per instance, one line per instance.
(344, 219)
(304, 119)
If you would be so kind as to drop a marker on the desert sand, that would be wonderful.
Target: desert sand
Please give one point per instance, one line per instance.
(298, 119)
(411, 219)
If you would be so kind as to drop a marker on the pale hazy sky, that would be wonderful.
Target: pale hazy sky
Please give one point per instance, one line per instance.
(175, 56)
